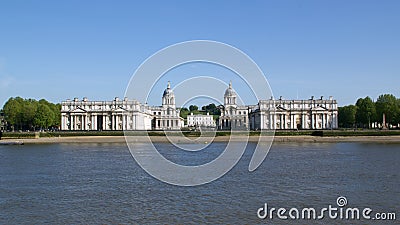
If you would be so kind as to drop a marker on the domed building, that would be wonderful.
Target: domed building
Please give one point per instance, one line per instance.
(124, 114)
(166, 116)
(278, 114)
(121, 114)
(233, 116)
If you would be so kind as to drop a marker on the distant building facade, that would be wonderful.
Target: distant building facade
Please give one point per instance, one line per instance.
(200, 120)
(269, 114)
(120, 114)
(278, 114)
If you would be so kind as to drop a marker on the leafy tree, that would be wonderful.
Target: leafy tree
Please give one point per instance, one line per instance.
(44, 116)
(347, 116)
(29, 114)
(184, 112)
(193, 108)
(56, 108)
(387, 104)
(212, 109)
(397, 118)
(11, 112)
(366, 112)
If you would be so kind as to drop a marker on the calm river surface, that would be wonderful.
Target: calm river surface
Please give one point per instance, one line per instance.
(102, 184)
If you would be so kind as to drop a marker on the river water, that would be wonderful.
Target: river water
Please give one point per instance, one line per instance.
(102, 184)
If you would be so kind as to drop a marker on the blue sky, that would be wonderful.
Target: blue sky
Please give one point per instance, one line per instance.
(65, 49)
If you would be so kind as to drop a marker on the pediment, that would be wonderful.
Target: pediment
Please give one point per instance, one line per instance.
(320, 108)
(78, 110)
(119, 109)
(280, 108)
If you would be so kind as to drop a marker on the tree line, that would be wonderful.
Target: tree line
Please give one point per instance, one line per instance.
(369, 114)
(30, 114)
(212, 109)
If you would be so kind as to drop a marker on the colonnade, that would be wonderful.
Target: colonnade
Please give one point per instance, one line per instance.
(103, 121)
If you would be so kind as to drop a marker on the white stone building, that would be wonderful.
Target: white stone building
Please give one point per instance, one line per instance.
(166, 117)
(200, 120)
(132, 115)
(233, 116)
(120, 114)
(278, 114)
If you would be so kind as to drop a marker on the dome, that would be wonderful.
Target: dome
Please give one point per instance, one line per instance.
(230, 91)
(168, 91)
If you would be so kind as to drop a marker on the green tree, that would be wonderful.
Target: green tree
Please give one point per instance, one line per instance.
(12, 112)
(56, 108)
(184, 112)
(44, 116)
(193, 108)
(347, 116)
(212, 109)
(29, 114)
(397, 118)
(387, 104)
(366, 112)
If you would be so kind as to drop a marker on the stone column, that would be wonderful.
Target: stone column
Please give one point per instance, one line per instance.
(123, 122)
(292, 122)
(273, 121)
(112, 122)
(94, 122)
(315, 121)
(73, 121)
(62, 121)
(261, 121)
(312, 120)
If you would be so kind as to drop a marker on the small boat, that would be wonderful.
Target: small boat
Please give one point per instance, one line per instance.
(12, 143)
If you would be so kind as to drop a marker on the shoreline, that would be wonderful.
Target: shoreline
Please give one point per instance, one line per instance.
(163, 139)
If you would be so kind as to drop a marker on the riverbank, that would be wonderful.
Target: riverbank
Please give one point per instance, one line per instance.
(160, 139)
